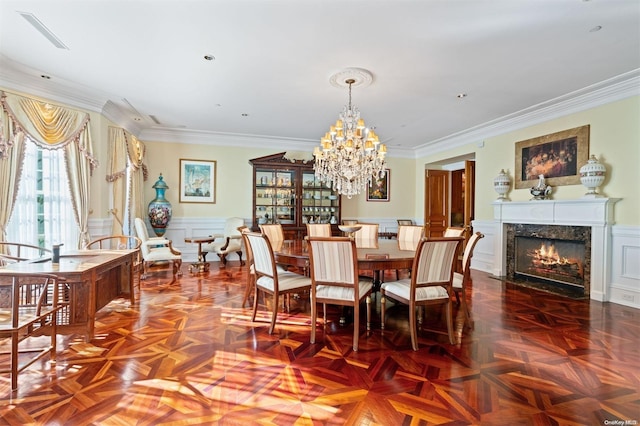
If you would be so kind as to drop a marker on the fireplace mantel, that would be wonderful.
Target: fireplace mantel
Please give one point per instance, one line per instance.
(594, 212)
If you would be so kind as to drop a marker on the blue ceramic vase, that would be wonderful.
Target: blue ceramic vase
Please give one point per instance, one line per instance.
(160, 208)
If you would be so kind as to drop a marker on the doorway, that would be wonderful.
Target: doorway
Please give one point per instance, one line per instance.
(449, 195)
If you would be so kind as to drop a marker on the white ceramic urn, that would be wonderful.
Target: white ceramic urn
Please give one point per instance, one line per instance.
(501, 184)
(592, 176)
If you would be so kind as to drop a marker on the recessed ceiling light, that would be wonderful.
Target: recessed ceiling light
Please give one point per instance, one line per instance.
(46, 77)
(137, 119)
(461, 95)
(209, 57)
(595, 29)
(244, 114)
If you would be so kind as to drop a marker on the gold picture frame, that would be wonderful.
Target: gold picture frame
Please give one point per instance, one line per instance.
(197, 181)
(558, 156)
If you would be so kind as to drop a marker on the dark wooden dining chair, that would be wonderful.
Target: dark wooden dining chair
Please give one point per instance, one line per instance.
(335, 280)
(430, 283)
(269, 279)
(29, 305)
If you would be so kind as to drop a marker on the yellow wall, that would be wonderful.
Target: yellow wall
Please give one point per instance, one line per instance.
(235, 176)
(614, 139)
(401, 201)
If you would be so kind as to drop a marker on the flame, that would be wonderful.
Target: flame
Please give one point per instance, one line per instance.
(548, 255)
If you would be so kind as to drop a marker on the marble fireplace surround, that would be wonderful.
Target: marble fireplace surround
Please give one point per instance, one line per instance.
(596, 213)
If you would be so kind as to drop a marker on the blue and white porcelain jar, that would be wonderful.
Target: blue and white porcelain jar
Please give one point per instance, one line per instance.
(160, 208)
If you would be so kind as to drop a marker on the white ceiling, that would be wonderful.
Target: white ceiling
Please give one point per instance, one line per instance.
(138, 60)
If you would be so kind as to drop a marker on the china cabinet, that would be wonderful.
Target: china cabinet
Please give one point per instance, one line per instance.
(287, 192)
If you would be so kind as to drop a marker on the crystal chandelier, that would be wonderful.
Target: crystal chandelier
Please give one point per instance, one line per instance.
(350, 156)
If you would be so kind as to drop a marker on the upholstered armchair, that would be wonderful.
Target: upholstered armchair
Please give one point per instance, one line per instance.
(229, 241)
(156, 249)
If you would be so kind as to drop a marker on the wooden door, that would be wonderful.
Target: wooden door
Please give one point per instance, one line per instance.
(436, 202)
(469, 195)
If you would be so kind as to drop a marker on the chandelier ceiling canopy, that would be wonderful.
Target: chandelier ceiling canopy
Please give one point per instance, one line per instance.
(350, 155)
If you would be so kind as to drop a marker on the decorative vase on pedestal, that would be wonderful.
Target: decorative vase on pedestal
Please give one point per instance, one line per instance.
(501, 184)
(159, 208)
(592, 175)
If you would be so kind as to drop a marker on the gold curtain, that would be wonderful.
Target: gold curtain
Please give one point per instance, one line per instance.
(11, 157)
(52, 127)
(126, 151)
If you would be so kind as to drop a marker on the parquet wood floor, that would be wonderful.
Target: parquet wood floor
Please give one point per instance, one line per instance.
(187, 353)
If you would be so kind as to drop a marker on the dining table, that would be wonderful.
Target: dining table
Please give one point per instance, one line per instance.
(377, 255)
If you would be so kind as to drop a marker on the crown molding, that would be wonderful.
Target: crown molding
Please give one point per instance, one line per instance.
(614, 89)
(17, 77)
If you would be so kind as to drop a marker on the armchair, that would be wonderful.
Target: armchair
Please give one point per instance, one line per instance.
(156, 249)
(29, 305)
(230, 241)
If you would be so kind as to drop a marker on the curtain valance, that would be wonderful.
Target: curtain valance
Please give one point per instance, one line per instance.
(49, 126)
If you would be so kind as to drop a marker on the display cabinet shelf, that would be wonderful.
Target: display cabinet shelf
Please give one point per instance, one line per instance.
(288, 193)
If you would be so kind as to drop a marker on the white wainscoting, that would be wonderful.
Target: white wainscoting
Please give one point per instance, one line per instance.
(622, 281)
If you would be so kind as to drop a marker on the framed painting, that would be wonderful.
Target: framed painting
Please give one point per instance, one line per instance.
(557, 156)
(197, 181)
(379, 189)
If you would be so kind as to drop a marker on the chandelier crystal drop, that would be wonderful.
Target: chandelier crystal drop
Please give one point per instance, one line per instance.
(350, 155)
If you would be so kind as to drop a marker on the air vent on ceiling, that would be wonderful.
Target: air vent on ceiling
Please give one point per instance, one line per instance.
(155, 120)
(38, 25)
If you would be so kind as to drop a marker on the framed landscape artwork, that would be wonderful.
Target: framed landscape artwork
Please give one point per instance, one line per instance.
(557, 156)
(379, 189)
(197, 181)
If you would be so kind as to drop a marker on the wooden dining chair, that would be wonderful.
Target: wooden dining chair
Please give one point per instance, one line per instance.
(409, 237)
(461, 280)
(453, 232)
(367, 233)
(430, 283)
(29, 305)
(269, 279)
(274, 232)
(318, 230)
(335, 280)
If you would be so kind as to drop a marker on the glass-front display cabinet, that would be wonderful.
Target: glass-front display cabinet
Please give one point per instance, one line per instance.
(287, 192)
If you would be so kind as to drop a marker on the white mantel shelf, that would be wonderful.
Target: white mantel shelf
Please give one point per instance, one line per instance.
(594, 212)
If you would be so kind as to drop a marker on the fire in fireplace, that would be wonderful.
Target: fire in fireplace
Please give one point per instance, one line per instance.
(556, 260)
(551, 254)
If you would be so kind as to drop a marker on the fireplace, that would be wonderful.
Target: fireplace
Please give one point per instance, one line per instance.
(553, 255)
(582, 222)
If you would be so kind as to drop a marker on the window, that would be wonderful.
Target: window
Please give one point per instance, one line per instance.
(43, 212)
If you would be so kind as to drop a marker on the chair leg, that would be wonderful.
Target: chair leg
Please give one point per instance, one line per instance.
(449, 314)
(274, 315)
(413, 328)
(248, 288)
(239, 253)
(368, 300)
(356, 325)
(255, 303)
(314, 316)
(383, 308)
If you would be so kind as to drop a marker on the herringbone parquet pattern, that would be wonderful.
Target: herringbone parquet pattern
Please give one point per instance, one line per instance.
(188, 353)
